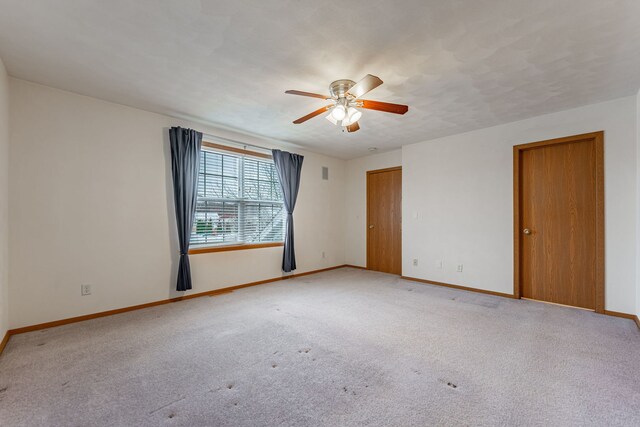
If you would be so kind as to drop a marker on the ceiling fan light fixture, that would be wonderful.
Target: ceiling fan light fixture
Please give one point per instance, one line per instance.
(353, 116)
(339, 112)
(331, 118)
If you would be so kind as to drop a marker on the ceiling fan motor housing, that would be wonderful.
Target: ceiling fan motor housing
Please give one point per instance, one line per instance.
(339, 88)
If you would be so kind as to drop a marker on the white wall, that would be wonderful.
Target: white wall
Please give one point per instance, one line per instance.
(91, 202)
(4, 200)
(458, 200)
(356, 202)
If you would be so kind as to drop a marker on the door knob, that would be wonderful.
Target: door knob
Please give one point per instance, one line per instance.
(371, 226)
(526, 231)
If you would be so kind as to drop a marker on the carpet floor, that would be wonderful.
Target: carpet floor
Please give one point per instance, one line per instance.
(341, 348)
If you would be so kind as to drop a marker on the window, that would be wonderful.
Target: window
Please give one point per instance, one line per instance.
(239, 200)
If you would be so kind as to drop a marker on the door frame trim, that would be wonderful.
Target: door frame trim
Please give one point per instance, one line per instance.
(598, 138)
(366, 229)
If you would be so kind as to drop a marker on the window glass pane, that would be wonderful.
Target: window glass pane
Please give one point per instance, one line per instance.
(228, 222)
(230, 188)
(200, 186)
(203, 155)
(212, 163)
(215, 222)
(250, 169)
(251, 223)
(263, 222)
(250, 188)
(230, 166)
(265, 190)
(212, 186)
(264, 171)
(277, 190)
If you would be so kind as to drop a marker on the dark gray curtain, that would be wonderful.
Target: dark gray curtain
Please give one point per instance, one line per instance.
(185, 164)
(289, 166)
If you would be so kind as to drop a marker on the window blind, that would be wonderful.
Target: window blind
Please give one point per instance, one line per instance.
(239, 200)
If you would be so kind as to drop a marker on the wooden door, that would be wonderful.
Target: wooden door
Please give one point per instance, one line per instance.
(560, 221)
(384, 220)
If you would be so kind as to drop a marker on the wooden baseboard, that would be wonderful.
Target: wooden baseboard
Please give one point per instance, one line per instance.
(464, 288)
(4, 342)
(623, 315)
(161, 302)
(355, 266)
(619, 314)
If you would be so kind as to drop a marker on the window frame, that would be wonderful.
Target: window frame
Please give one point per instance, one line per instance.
(233, 246)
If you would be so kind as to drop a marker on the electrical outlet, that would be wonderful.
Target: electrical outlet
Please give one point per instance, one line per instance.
(415, 262)
(85, 290)
(459, 268)
(323, 254)
(439, 264)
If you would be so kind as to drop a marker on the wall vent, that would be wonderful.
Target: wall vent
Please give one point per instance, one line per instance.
(325, 173)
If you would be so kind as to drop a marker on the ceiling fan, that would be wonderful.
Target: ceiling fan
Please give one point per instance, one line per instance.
(345, 99)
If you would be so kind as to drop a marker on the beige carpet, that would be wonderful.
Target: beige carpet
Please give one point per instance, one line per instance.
(340, 348)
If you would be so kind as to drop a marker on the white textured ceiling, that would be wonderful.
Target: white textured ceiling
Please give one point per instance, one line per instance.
(459, 65)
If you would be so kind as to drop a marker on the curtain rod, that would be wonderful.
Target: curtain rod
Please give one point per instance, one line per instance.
(233, 141)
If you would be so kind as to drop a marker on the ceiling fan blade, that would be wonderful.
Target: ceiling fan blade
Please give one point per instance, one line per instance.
(312, 115)
(365, 85)
(312, 95)
(384, 106)
(353, 127)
